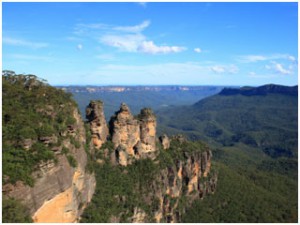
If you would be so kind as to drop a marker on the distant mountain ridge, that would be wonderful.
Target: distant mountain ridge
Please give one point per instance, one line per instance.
(262, 90)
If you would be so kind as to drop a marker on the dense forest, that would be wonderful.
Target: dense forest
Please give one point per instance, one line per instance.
(254, 137)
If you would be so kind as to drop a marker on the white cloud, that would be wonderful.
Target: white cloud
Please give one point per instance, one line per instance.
(232, 69)
(256, 58)
(151, 48)
(79, 47)
(252, 58)
(218, 69)
(198, 50)
(291, 58)
(279, 68)
(268, 67)
(134, 29)
(128, 42)
(23, 43)
(126, 38)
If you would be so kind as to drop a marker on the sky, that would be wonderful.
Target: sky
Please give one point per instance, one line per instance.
(152, 43)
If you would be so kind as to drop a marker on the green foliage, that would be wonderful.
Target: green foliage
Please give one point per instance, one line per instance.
(14, 212)
(30, 109)
(64, 150)
(27, 133)
(45, 131)
(107, 145)
(269, 122)
(74, 142)
(70, 120)
(72, 161)
(113, 186)
(238, 199)
(143, 172)
(255, 141)
(165, 159)
(17, 164)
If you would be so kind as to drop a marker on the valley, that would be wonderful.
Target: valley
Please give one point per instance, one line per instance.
(224, 158)
(253, 141)
(150, 112)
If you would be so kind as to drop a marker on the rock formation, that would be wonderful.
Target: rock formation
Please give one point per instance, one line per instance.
(164, 140)
(133, 137)
(186, 178)
(58, 182)
(96, 118)
(124, 129)
(147, 121)
(60, 192)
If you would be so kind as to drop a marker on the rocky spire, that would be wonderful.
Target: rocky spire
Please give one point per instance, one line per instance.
(147, 122)
(96, 118)
(124, 129)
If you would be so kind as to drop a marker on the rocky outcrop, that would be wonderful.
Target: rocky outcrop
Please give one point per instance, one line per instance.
(124, 129)
(164, 140)
(139, 215)
(60, 192)
(147, 121)
(133, 137)
(96, 119)
(189, 177)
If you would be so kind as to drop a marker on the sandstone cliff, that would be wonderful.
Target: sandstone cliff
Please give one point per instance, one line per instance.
(60, 192)
(49, 158)
(188, 178)
(182, 168)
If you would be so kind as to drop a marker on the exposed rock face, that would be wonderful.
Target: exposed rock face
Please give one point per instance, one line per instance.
(139, 216)
(125, 129)
(133, 137)
(147, 122)
(186, 178)
(60, 192)
(164, 140)
(96, 118)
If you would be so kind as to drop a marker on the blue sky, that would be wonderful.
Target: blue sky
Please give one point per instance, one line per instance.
(152, 43)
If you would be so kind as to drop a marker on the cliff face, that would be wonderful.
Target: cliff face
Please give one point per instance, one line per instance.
(60, 192)
(184, 173)
(47, 160)
(189, 178)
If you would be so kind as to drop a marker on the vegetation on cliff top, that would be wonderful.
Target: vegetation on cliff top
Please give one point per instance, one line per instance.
(121, 189)
(32, 111)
